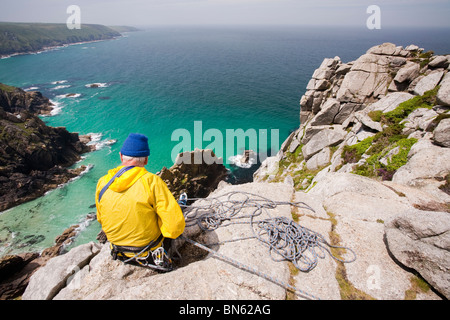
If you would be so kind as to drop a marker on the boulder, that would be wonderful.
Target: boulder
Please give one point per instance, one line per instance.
(359, 85)
(419, 119)
(443, 95)
(439, 62)
(268, 167)
(417, 198)
(294, 145)
(371, 63)
(426, 168)
(368, 122)
(48, 280)
(326, 115)
(421, 240)
(334, 183)
(383, 49)
(389, 102)
(343, 69)
(441, 135)
(407, 73)
(324, 138)
(428, 82)
(412, 47)
(318, 160)
(345, 112)
(197, 173)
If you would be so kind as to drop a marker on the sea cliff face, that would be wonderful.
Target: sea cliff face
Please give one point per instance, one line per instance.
(33, 156)
(365, 116)
(373, 146)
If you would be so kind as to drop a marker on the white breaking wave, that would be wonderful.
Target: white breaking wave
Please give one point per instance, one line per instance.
(84, 223)
(238, 161)
(31, 88)
(61, 87)
(59, 82)
(97, 85)
(95, 137)
(96, 140)
(69, 95)
(88, 168)
(104, 143)
(57, 107)
(62, 185)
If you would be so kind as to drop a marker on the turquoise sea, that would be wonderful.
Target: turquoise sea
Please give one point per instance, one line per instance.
(161, 79)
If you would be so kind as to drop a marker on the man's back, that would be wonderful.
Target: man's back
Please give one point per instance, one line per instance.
(137, 207)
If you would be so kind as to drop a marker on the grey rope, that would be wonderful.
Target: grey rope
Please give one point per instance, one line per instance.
(283, 236)
(253, 270)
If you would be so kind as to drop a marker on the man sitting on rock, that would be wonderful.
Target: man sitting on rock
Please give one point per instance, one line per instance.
(136, 209)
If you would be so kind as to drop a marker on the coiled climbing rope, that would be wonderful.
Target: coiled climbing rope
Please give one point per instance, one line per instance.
(285, 239)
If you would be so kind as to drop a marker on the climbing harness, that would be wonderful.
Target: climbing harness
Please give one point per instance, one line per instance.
(286, 239)
(157, 259)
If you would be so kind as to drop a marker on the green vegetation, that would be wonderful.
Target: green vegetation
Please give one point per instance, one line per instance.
(6, 88)
(32, 37)
(373, 167)
(375, 115)
(388, 150)
(423, 58)
(302, 176)
(352, 154)
(427, 100)
(383, 153)
(418, 285)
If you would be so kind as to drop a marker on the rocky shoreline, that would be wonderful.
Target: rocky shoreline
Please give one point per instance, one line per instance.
(50, 48)
(34, 158)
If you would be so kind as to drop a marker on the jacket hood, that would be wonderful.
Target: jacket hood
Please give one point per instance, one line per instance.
(126, 180)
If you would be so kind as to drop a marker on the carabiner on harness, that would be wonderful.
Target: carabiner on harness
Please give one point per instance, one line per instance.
(162, 259)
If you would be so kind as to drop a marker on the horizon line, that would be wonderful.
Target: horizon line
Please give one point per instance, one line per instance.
(148, 25)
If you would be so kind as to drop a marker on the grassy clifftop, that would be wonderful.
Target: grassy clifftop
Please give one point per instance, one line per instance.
(31, 37)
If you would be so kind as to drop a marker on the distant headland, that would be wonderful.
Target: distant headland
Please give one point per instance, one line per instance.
(23, 38)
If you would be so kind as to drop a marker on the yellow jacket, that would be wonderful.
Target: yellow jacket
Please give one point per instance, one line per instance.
(137, 208)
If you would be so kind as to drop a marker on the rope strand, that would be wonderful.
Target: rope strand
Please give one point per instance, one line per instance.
(285, 238)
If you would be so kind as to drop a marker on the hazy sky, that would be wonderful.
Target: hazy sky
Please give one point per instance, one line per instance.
(406, 13)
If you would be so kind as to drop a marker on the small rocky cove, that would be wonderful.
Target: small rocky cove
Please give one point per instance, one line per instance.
(34, 158)
(370, 161)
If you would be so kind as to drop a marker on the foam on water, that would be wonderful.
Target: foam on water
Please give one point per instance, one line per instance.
(237, 160)
(57, 107)
(97, 85)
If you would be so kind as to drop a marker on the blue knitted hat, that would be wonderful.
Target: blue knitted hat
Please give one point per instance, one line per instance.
(136, 145)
